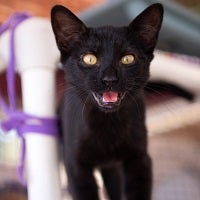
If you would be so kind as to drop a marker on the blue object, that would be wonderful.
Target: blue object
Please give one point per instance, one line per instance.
(180, 30)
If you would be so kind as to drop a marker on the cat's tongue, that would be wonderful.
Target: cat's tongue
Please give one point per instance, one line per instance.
(110, 97)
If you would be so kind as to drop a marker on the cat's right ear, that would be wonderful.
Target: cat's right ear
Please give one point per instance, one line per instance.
(66, 27)
(146, 26)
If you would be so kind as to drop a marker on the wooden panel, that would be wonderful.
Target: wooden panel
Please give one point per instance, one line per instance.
(189, 3)
(41, 7)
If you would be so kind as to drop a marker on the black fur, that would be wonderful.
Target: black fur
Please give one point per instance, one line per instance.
(109, 137)
(175, 89)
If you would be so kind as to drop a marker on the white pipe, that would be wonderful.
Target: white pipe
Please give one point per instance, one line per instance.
(36, 55)
(4, 50)
(41, 151)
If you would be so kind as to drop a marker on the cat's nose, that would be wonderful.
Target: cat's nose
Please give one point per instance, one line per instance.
(110, 81)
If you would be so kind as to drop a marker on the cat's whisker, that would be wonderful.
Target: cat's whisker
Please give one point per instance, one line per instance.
(84, 106)
(132, 88)
(134, 100)
(94, 80)
(70, 103)
(70, 88)
(81, 93)
(137, 78)
(153, 90)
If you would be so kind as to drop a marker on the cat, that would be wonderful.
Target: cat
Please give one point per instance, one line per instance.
(102, 114)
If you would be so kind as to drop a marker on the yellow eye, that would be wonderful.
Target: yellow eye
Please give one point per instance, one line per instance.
(90, 59)
(127, 59)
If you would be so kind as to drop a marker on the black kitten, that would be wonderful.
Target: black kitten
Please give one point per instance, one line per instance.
(103, 111)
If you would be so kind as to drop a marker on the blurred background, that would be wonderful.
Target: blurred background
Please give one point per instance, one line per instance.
(42, 8)
(173, 100)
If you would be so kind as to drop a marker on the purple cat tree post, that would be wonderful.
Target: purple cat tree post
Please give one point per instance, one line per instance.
(35, 58)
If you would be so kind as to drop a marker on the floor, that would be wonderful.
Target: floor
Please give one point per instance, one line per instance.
(176, 165)
(176, 157)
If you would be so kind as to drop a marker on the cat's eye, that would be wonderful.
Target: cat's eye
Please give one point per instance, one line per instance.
(90, 59)
(127, 59)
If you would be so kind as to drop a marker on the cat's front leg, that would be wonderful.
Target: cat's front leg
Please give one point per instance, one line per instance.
(82, 183)
(138, 178)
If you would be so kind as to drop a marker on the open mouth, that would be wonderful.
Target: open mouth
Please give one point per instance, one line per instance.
(108, 99)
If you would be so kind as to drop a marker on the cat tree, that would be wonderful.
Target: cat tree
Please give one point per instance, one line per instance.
(36, 54)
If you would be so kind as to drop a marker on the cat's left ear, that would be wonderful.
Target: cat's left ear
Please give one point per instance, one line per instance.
(146, 26)
(66, 27)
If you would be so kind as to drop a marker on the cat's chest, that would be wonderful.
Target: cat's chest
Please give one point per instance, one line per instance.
(104, 143)
(98, 151)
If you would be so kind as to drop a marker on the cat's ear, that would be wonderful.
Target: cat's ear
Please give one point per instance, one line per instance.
(66, 27)
(146, 26)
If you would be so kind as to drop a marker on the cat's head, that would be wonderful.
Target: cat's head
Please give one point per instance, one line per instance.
(107, 65)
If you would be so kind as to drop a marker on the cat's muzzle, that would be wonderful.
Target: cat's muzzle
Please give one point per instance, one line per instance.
(108, 99)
